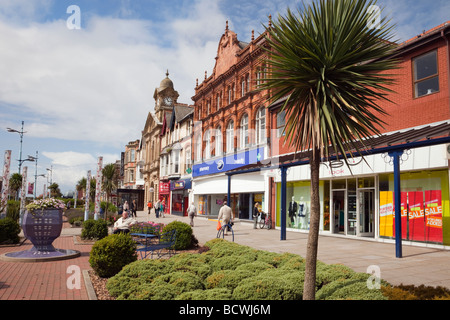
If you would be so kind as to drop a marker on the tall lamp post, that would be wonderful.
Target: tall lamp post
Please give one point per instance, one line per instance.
(21, 132)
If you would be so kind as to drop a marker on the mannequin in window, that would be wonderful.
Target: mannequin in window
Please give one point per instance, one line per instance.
(302, 213)
(293, 207)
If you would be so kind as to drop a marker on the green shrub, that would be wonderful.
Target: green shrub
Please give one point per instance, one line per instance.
(94, 229)
(354, 288)
(135, 274)
(110, 254)
(184, 234)
(13, 210)
(229, 279)
(268, 288)
(195, 263)
(9, 231)
(212, 294)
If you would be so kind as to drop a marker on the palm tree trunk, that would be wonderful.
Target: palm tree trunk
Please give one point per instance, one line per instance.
(309, 291)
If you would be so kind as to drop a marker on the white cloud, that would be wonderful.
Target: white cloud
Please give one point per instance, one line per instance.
(96, 84)
(69, 167)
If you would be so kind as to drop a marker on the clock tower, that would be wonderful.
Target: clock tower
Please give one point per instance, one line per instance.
(165, 97)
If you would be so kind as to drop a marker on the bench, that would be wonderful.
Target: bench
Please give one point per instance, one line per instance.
(150, 244)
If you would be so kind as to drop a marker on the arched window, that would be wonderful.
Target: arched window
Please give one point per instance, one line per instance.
(198, 146)
(207, 144)
(243, 134)
(230, 137)
(261, 126)
(218, 142)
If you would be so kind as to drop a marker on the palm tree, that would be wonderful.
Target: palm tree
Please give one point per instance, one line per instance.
(15, 183)
(331, 65)
(81, 184)
(109, 182)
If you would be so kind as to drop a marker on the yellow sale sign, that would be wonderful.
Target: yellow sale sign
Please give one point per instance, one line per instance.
(386, 213)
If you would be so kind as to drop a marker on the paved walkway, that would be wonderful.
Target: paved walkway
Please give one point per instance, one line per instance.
(49, 280)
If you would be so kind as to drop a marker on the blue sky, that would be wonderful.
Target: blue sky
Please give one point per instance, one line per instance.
(86, 92)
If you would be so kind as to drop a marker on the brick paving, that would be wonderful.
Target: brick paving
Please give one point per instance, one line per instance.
(45, 280)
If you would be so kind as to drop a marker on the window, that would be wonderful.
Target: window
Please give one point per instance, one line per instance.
(218, 142)
(207, 145)
(176, 161)
(426, 77)
(243, 87)
(281, 120)
(188, 158)
(230, 137)
(244, 132)
(218, 101)
(230, 95)
(261, 126)
(198, 147)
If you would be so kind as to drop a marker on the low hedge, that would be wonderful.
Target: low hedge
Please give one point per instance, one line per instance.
(229, 271)
(110, 254)
(9, 231)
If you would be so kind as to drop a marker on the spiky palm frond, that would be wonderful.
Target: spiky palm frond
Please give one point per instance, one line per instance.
(334, 69)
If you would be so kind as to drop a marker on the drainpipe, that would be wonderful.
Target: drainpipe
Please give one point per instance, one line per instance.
(448, 63)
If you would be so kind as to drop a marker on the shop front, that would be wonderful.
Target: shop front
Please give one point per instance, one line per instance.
(210, 194)
(210, 185)
(164, 195)
(359, 201)
(180, 196)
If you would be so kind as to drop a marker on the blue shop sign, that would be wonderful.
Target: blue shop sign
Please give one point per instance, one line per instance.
(228, 163)
(180, 184)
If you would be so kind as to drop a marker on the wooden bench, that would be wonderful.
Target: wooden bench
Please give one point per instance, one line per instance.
(150, 244)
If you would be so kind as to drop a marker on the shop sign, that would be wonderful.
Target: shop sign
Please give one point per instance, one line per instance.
(228, 163)
(180, 184)
(164, 188)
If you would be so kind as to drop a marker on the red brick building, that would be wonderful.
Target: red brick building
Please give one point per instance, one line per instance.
(230, 125)
(358, 201)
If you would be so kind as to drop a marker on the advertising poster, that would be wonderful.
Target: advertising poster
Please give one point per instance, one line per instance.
(404, 211)
(433, 216)
(386, 214)
(416, 216)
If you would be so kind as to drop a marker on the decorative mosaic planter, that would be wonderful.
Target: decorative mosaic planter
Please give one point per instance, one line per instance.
(42, 228)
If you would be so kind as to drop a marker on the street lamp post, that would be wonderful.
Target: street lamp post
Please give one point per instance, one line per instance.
(21, 132)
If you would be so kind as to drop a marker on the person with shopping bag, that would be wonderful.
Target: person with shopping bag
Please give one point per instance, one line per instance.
(226, 215)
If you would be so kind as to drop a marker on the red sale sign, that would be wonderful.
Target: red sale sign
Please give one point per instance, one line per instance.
(433, 215)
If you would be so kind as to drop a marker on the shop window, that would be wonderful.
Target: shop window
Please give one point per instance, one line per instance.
(426, 75)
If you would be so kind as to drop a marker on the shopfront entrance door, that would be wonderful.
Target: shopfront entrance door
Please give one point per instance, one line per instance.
(339, 211)
(366, 213)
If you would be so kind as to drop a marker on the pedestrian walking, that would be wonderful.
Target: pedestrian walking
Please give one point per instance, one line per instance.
(157, 208)
(255, 214)
(163, 208)
(134, 209)
(149, 207)
(192, 212)
(226, 214)
(126, 207)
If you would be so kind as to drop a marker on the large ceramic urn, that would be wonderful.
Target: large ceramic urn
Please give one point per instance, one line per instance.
(42, 227)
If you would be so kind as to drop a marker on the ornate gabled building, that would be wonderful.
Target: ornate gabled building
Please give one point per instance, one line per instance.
(165, 96)
(230, 128)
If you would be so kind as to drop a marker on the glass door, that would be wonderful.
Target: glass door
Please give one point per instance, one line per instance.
(338, 211)
(366, 213)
